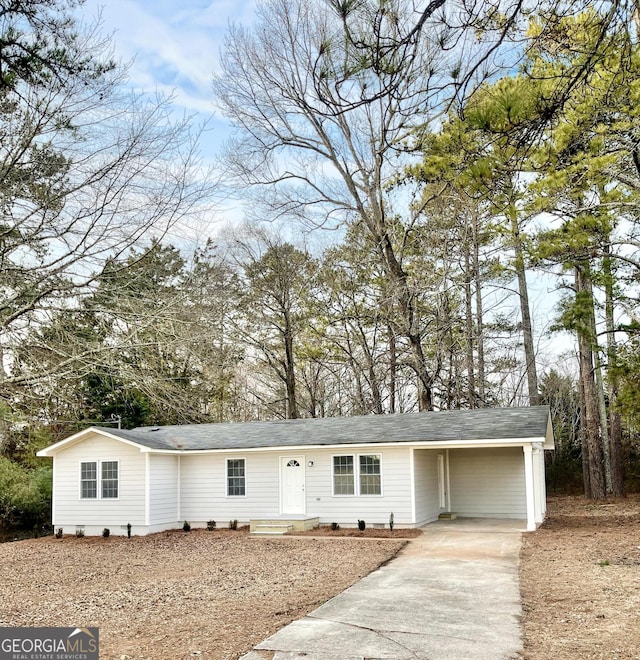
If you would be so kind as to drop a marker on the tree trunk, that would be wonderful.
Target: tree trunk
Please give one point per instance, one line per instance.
(393, 366)
(527, 328)
(584, 446)
(411, 324)
(597, 487)
(469, 325)
(479, 314)
(615, 426)
(290, 375)
(602, 403)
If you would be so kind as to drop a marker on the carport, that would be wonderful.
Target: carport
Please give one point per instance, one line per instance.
(492, 480)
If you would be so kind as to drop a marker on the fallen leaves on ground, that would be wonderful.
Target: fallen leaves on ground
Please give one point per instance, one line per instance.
(175, 594)
(580, 581)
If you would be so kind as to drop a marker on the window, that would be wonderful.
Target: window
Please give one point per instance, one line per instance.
(370, 474)
(365, 481)
(343, 477)
(107, 472)
(236, 478)
(109, 479)
(88, 480)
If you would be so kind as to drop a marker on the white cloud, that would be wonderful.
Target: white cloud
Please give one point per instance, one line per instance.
(172, 47)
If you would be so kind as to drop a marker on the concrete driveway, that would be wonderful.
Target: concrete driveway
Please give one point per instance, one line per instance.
(450, 594)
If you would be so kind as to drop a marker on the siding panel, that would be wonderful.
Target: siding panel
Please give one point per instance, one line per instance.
(70, 510)
(203, 489)
(426, 485)
(348, 509)
(488, 483)
(163, 489)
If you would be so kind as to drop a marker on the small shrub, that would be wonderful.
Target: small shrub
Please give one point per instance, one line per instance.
(186, 527)
(59, 533)
(79, 533)
(25, 495)
(361, 525)
(391, 521)
(233, 524)
(105, 533)
(335, 526)
(211, 525)
(128, 530)
(604, 562)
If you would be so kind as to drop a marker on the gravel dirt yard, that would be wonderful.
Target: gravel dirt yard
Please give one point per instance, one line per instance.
(175, 594)
(580, 581)
(217, 594)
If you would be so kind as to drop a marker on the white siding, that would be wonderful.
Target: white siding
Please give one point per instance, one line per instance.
(163, 489)
(426, 484)
(348, 509)
(488, 482)
(203, 488)
(96, 514)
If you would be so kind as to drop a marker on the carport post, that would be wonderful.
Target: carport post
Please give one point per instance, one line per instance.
(529, 486)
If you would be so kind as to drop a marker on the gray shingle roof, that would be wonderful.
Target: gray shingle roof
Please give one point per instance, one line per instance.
(450, 425)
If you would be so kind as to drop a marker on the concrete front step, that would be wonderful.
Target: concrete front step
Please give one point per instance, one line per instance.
(296, 523)
(271, 530)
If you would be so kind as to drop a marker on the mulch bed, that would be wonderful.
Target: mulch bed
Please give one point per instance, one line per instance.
(367, 533)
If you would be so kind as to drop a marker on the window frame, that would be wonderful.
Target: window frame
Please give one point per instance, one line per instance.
(357, 488)
(227, 477)
(353, 475)
(361, 474)
(98, 462)
(109, 480)
(95, 480)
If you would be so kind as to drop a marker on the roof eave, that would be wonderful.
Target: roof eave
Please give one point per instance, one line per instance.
(52, 450)
(415, 444)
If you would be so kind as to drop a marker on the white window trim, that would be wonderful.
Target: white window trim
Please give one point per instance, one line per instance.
(226, 478)
(98, 462)
(356, 474)
(90, 499)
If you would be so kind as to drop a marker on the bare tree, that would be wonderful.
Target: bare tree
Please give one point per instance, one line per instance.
(325, 96)
(277, 281)
(87, 169)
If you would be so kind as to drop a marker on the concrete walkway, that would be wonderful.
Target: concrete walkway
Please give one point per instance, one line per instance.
(451, 594)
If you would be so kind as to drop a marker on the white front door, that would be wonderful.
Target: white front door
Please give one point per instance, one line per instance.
(292, 494)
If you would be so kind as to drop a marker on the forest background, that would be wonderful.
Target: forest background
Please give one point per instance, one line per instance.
(407, 168)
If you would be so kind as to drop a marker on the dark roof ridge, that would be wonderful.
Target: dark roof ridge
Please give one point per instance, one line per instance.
(433, 426)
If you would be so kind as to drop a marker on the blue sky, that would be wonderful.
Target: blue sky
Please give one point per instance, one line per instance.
(174, 48)
(174, 45)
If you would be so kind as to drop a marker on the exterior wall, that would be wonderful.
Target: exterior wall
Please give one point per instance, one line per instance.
(69, 511)
(203, 488)
(425, 466)
(488, 482)
(373, 509)
(163, 489)
(483, 482)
